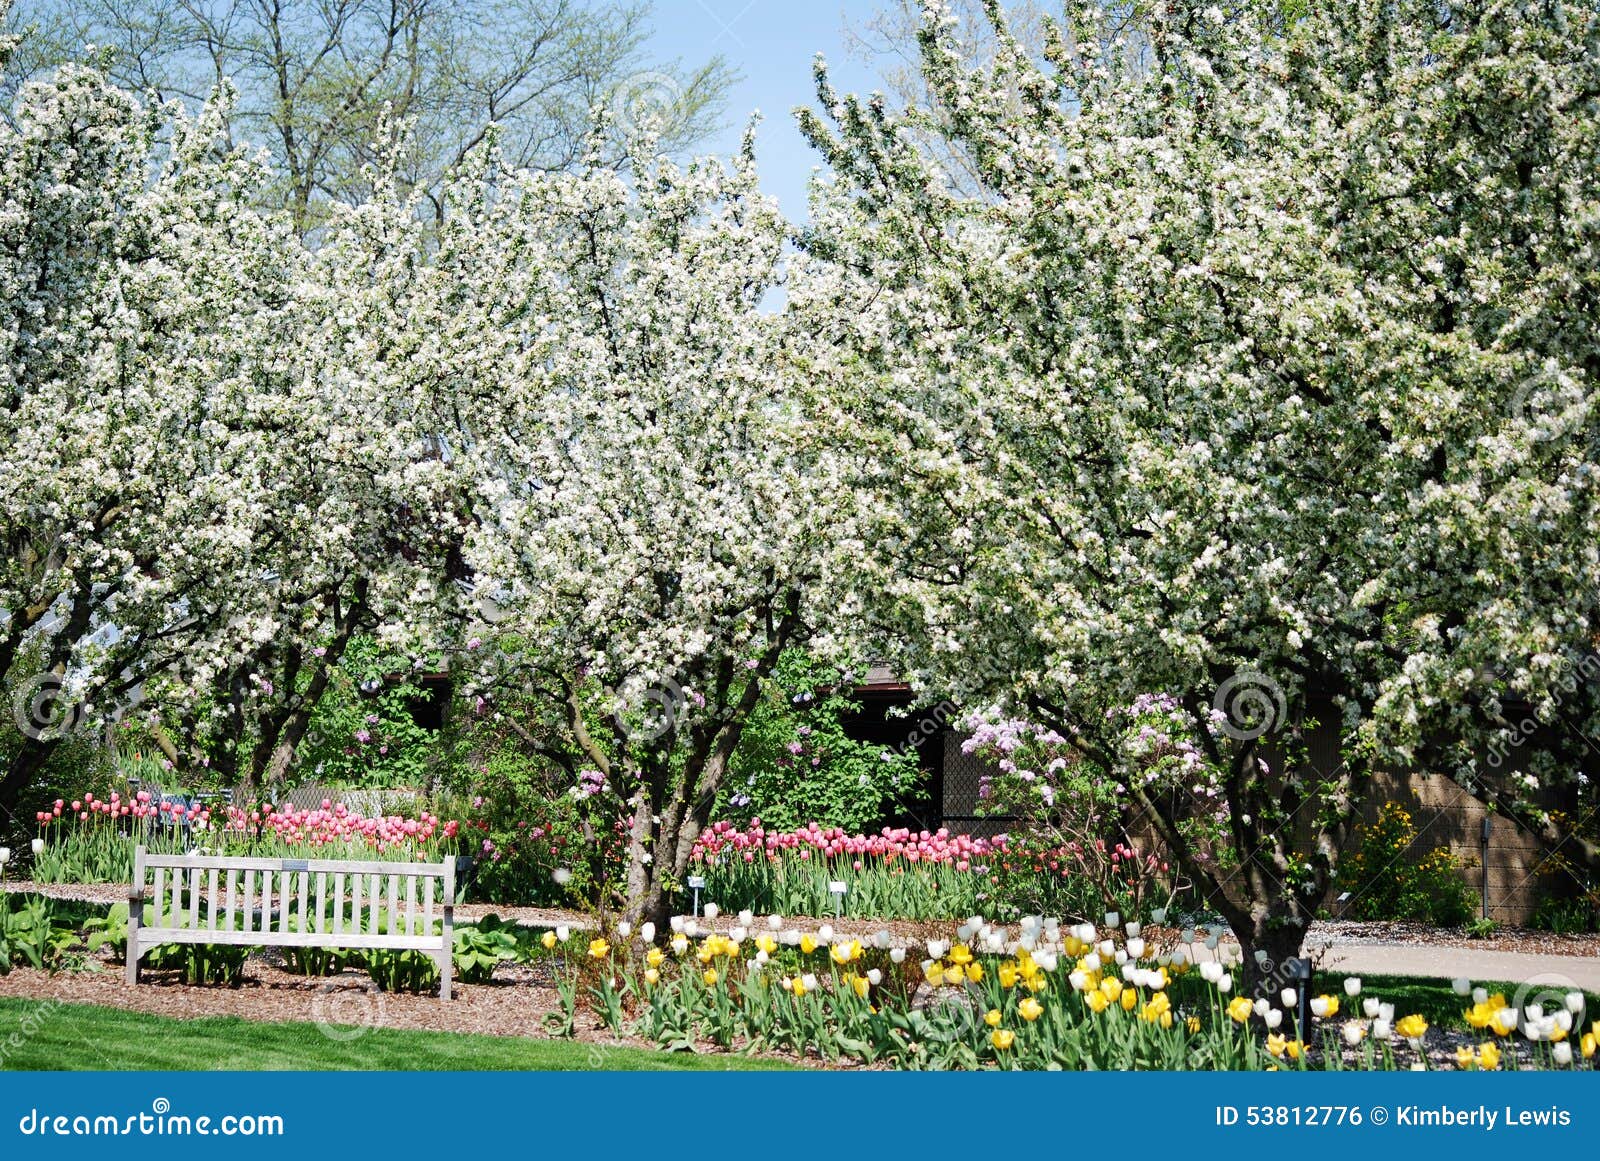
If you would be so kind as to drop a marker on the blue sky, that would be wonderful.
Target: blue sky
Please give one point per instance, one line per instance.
(771, 42)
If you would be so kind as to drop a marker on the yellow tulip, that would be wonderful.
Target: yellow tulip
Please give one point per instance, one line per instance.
(1112, 987)
(1030, 1009)
(549, 940)
(1129, 999)
(1489, 1057)
(1466, 1057)
(1276, 1044)
(843, 953)
(1158, 1011)
(960, 955)
(935, 974)
(975, 972)
(992, 1017)
(1008, 975)
(710, 977)
(1002, 1038)
(1412, 1027)
(808, 944)
(1589, 1044)
(1096, 1000)
(766, 943)
(654, 956)
(651, 976)
(859, 983)
(1240, 1009)
(798, 987)
(1193, 1024)
(599, 948)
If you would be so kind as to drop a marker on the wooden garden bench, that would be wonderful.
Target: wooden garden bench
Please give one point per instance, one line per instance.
(327, 903)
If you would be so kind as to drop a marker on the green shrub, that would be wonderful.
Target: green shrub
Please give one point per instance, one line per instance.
(402, 971)
(481, 947)
(1388, 881)
(795, 764)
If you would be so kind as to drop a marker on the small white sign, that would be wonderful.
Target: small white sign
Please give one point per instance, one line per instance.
(697, 882)
(837, 887)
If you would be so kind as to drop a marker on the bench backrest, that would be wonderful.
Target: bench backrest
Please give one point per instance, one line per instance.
(293, 902)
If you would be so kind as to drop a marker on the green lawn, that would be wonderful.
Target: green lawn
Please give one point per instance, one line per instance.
(82, 1036)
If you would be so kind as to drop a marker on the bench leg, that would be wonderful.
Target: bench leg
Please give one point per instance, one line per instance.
(446, 968)
(135, 921)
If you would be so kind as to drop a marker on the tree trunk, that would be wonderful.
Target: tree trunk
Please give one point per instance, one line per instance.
(20, 772)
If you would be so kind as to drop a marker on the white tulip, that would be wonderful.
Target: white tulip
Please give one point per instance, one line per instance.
(897, 955)
(825, 933)
(881, 939)
(1274, 1017)
(624, 929)
(747, 918)
(647, 932)
(1534, 1012)
(1353, 1033)
(1120, 956)
(711, 910)
(1381, 1030)
(1352, 986)
(1462, 985)
(1077, 978)
(1562, 1052)
(563, 932)
(774, 923)
(1225, 984)
(810, 981)
(1319, 1007)
(1107, 948)
(1574, 1001)
(874, 977)
(1134, 929)
(1113, 919)
(1506, 1019)
(1091, 962)
(1480, 995)
(1290, 997)
(1369, 1007)
(38, 846)
(1159, 915)
(1386, 1013)
(677, 923)
(1136, 948)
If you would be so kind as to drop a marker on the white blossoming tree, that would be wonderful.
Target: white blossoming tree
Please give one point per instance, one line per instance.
(1258, 375)
(645, 519)
(137, 294)
(205, 487)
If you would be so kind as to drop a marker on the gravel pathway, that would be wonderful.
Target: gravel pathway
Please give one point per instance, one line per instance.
(1343, 946)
